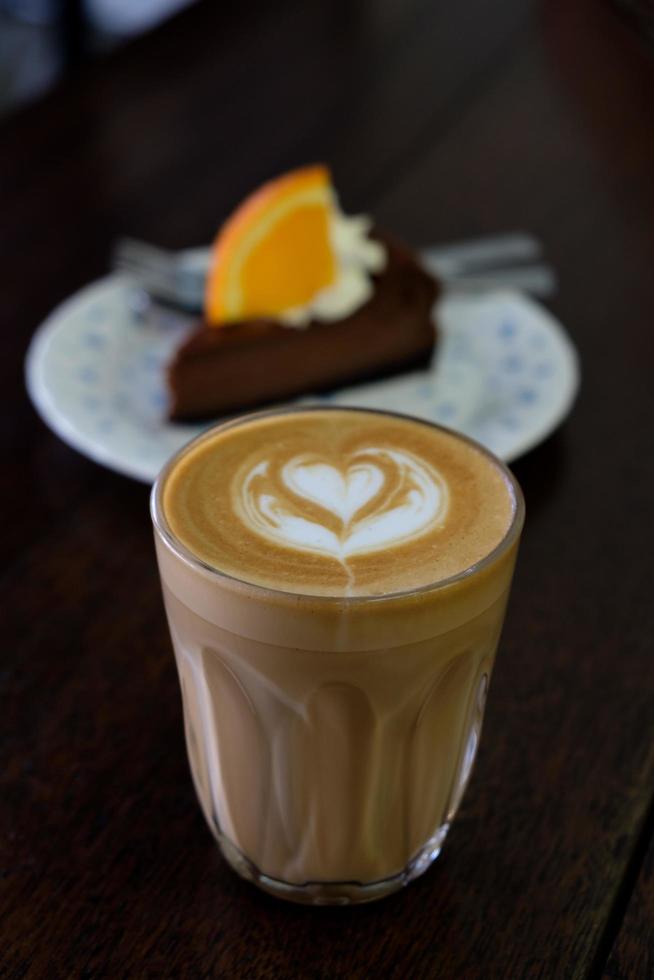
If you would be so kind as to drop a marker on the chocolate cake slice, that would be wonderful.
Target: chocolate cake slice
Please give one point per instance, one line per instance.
(218, 370)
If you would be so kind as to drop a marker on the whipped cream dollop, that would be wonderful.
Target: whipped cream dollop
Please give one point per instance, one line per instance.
(358, 257)
(380, 499)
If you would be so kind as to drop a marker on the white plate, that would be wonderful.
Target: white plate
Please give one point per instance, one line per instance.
(505, 373)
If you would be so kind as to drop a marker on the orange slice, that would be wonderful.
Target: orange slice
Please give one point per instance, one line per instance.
(274, 252)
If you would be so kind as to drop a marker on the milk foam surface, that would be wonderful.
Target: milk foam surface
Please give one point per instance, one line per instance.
(337, 502)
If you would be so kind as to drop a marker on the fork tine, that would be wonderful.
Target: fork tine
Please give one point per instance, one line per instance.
(135, 246)
(157, 286)
(141, 255)
(158, 270)
(142, 261)
(161, 273)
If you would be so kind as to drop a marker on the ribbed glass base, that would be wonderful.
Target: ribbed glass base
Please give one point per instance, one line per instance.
(334, 892)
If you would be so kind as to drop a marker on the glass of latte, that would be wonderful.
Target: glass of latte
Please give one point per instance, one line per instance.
(335, 582)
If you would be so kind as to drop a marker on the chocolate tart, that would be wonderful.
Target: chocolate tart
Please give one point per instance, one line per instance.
(224, 369)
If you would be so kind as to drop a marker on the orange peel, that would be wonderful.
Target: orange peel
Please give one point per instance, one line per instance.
(274, 253)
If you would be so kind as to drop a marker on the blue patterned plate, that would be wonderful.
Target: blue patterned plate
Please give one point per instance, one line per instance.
(505, 373)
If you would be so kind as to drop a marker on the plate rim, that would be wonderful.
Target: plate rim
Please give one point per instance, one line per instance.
(568, 391)
(42, 401)
(59, 423)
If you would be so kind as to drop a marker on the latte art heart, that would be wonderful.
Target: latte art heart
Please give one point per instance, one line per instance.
(383, 498)
(343, 495)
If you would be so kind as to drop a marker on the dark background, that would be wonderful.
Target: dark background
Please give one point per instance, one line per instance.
(445, 121)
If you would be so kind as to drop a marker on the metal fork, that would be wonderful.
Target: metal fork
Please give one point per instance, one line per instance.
(477, 265)
(177, 278)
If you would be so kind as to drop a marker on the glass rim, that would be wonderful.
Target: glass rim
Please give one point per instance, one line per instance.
(179, 549)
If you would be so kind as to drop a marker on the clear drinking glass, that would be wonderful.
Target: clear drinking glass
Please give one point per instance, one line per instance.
(331, 739)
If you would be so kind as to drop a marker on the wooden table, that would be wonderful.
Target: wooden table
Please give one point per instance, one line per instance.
(446, 121)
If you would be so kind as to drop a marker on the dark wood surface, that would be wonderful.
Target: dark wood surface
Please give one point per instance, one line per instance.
(633, 952)
(445, 121)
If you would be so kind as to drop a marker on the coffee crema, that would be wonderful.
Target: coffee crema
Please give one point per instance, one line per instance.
(337, 502)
